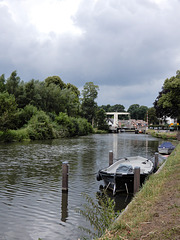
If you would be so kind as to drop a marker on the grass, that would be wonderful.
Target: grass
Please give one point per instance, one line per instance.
(139, 210)
(163, 135)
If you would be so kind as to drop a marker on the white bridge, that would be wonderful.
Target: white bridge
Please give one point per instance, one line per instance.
(115, 115)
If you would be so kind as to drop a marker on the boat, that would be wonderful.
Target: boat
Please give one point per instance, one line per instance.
(166, 148)
(120, 175)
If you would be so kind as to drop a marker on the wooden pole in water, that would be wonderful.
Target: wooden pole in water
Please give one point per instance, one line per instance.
(136, 179)
(65, 177)
(110, 158)
(156, 161)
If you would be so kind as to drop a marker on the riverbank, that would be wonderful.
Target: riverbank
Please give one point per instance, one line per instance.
(166, 135)
(154, 211)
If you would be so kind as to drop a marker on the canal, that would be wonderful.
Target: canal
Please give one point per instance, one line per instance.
(31, 201)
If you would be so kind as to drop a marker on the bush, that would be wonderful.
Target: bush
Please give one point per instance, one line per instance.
(74, 126)
(40, 127)
(14, 135)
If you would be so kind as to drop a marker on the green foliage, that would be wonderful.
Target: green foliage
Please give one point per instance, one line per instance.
(24, 115)
(40, 127)
(152, 118)
(12, 84)
(24, 104)
(100, 215)
(7, 111)
(89, 106)
(56, 80)
(74, 126)
(14, 135)
(2, 83)
(114, 108)
(138, 112)
(167, 102)
(101, 120)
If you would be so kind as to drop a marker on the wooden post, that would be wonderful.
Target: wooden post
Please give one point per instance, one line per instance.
(156, 161)
(110, 158)
(136, 179)
(65, 176)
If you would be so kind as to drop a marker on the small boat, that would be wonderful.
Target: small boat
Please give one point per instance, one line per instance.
(166, 148)
(120, 175)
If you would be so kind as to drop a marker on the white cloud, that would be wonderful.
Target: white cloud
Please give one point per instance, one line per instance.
(118, 44)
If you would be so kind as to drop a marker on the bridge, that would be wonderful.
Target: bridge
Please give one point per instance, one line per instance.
(115, 125)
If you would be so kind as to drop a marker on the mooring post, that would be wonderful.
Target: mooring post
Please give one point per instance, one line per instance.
(136, 179)
(156, 161)
(110, 158)
(65, 177)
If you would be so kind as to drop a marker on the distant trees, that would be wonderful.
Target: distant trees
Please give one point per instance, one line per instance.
(100, 119)
(113, 108)
(152, 117)
(138, 112)
(167, 102)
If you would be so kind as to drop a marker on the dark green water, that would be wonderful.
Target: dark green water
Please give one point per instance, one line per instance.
(31, 201)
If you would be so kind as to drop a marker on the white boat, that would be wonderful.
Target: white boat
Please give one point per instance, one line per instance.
(120, 175)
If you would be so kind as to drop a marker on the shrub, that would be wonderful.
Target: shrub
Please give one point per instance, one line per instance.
(74, 126)
(14, 135)
(40, 127)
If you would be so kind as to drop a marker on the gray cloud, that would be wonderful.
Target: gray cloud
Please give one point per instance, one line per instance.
(128, 47)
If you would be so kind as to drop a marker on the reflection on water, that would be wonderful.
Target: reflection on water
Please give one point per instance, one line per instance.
(31, 201)
(64, 206)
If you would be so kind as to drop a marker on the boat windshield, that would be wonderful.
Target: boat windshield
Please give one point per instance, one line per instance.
(123, 168)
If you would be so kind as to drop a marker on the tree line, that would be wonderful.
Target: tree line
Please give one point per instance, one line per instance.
(43, 109)
(52, 108)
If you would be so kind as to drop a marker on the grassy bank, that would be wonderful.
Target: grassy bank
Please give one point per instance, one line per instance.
(154, 211)
(163, 134)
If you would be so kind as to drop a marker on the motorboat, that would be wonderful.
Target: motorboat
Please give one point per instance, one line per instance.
(120, 175)
(166, 148)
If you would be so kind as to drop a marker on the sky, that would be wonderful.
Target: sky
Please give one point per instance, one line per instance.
(127, 48)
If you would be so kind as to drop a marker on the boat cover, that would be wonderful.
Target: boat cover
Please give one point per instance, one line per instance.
(123, 168)
(167, 145)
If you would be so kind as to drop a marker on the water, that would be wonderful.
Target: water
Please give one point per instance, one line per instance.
(31, 201)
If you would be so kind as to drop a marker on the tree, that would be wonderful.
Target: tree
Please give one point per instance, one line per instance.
(142, 112)
(89, 106)
(152, 118)
(167, 102)
(101, 119)
(7, 111)
(12, 84)
(2, 83)
(138, 112)
(133, 110)
(55, 80)
(114, 108)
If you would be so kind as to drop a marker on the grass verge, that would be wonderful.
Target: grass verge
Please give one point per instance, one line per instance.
(163, 135)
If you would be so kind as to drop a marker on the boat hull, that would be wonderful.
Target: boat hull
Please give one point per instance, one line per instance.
(120, 183)
(165, 150)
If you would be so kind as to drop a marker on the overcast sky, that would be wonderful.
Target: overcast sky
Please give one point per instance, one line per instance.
(127, 48)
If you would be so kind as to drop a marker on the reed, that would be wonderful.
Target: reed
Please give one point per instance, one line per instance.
(100, 214)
